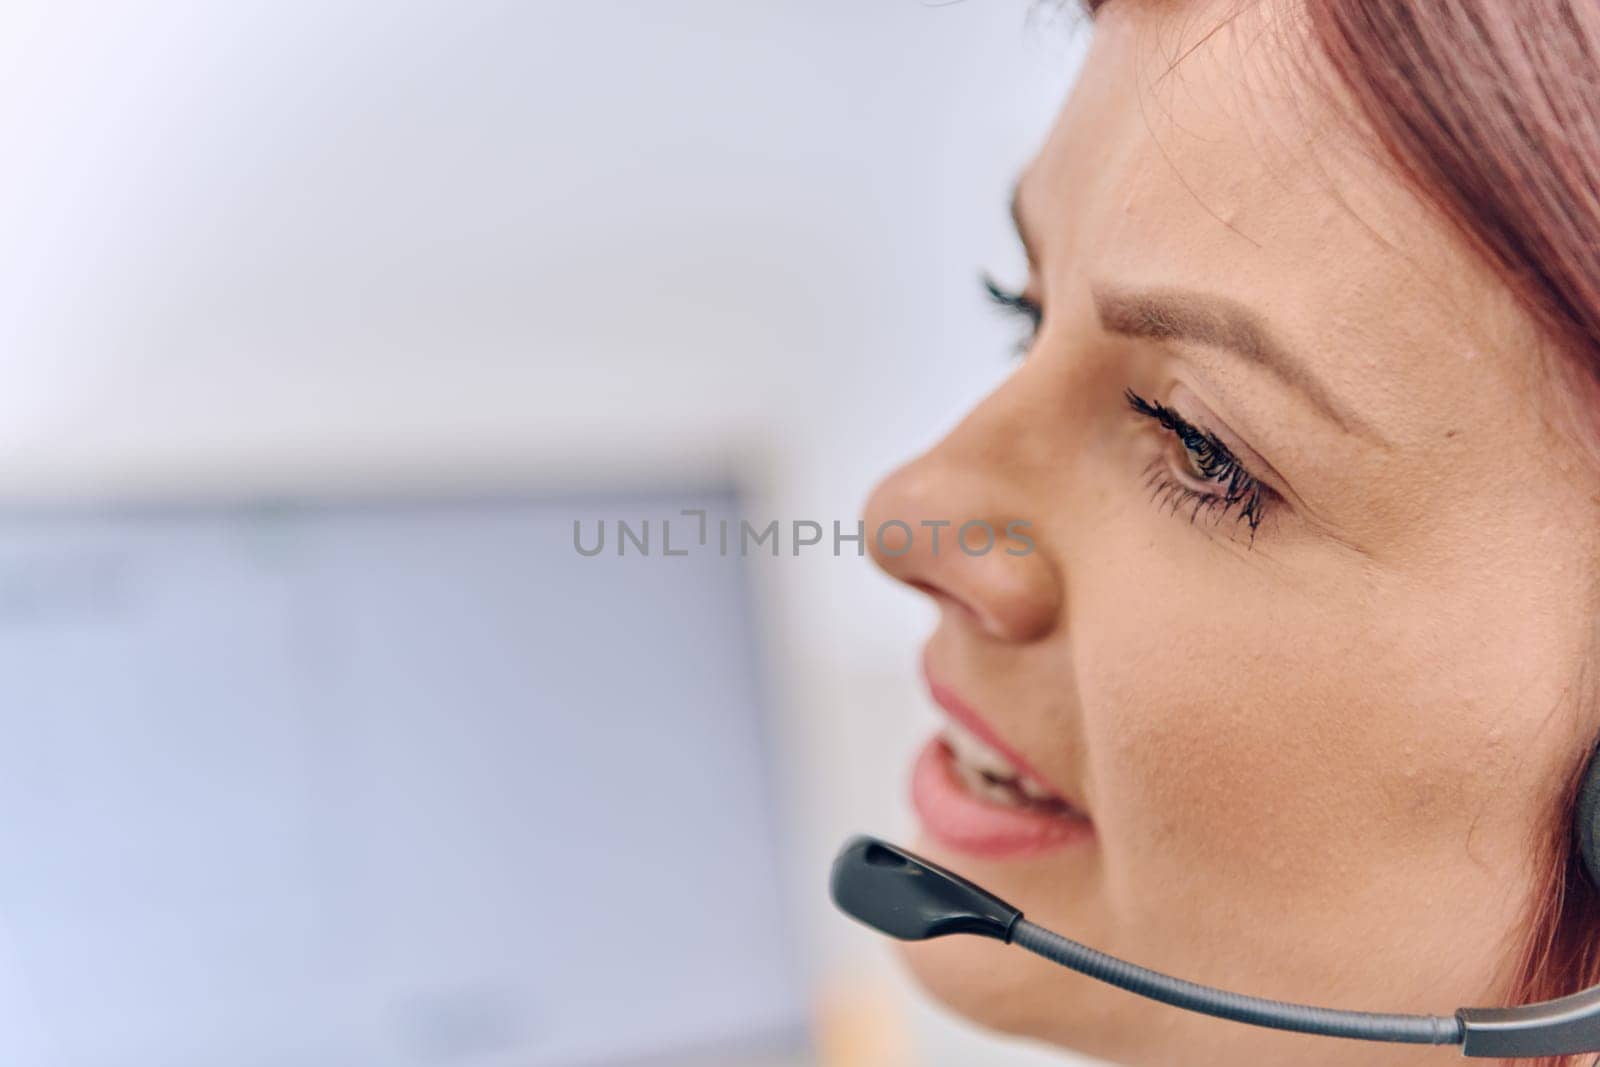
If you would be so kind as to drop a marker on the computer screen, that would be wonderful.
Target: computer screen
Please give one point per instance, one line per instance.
(383, 783)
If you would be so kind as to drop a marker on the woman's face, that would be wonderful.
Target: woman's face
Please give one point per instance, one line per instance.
(1303, 626)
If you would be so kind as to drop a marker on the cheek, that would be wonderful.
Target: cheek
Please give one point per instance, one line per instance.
(1232, 751)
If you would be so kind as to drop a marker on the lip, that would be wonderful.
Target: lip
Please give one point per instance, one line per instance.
(969, 719)
(959, 820)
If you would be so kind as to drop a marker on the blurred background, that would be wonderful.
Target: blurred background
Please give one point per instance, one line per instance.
(321, 327)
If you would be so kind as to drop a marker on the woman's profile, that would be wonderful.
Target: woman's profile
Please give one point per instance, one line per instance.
(1294, 690)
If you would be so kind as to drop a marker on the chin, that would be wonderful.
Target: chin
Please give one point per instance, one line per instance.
(978, 979)
(1007, 991)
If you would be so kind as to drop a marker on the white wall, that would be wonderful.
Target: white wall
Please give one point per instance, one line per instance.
(263, 245)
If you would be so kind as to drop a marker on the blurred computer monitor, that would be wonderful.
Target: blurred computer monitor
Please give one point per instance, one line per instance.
(412, 782)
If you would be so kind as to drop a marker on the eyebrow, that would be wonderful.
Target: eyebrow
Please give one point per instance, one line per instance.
(1209, 319)
(1171, 314)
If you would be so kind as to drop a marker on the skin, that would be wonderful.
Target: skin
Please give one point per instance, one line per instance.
(1318, 757)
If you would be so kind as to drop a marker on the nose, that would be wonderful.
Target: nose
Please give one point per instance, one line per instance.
(955, 524)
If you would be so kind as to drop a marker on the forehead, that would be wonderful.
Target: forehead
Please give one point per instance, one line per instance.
(1204, 147)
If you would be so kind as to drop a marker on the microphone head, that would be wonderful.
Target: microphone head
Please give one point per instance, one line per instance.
(903, 895)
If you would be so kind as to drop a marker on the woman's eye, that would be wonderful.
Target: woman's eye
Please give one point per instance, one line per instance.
(1019, 304)
(1224, 485)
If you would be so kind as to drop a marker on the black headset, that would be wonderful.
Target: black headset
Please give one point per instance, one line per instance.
(907, 897)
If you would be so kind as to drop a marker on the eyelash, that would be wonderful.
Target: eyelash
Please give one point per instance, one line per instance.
(1015, 303)
(1238, 489)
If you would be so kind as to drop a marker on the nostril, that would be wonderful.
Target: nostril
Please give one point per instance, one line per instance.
(943, 598)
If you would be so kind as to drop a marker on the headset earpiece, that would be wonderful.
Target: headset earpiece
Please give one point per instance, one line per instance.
(1586, 819)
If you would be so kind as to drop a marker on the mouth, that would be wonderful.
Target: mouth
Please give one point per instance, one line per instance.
(988, 775)
(977, 796)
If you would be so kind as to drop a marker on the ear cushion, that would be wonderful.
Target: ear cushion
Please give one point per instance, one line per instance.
(1587, 818)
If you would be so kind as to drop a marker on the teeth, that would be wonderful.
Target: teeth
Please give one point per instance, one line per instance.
(988, 774)
(986, 788)
(1034, 790)
(977, 755)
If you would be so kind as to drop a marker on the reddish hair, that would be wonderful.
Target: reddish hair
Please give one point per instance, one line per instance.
(1490, 110)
